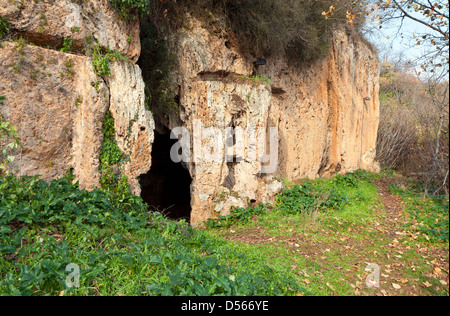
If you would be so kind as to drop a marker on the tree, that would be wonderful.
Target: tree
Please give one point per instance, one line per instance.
(433, 14)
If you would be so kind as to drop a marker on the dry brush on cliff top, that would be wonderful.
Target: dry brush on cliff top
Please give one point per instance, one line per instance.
(293, 28)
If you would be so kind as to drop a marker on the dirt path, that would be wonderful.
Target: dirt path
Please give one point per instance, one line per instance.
(436, 260)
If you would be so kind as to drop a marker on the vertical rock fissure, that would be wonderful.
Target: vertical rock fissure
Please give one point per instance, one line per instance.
(166, 188)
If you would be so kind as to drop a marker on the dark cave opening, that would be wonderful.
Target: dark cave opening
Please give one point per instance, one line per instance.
(166, 187)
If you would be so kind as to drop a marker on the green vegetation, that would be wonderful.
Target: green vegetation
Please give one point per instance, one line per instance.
(111, 162)
(120, 248)
(110, 154)
(3, 27)
(101, 59)
(67, 45)
(257, 79)
(158, 65)
(8, 141)
(20, 44)
(429, 215)
(297, 246)
(69, 73)
(237, 215)
(129, 9)
(323, 234)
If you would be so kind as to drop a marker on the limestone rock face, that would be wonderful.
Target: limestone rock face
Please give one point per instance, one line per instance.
(56, 100)
(41, 87)
(57, 103)
(47, 22)
(326, 114)
(133, 123)
(245, 132)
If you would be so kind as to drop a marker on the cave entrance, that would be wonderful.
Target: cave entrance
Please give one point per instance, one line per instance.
(166, 188)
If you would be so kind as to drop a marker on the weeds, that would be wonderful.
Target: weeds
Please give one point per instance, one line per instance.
(67, 45)
(101, 60)
(128, 9)
(309, 198)
(8, 134)
(44, 227)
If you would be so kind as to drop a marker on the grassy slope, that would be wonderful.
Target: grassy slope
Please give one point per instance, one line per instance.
(316, 240)
(328, 251)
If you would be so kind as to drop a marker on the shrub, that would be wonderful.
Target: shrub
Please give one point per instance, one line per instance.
(101, 58)
(294, 28)
(310, 197)
(128, 9)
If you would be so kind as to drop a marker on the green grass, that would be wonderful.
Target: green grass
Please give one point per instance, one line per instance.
(324, 233)
(429, 215)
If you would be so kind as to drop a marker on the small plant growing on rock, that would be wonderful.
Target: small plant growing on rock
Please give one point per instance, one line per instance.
(67, 45)
(100, 60)
(3, 27)
(9, 133)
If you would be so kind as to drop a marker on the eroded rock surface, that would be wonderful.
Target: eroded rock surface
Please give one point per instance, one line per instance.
(48, 22)
(326, 114)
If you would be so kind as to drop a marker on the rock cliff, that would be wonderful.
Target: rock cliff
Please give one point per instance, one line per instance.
(56, 99)
(325, 115)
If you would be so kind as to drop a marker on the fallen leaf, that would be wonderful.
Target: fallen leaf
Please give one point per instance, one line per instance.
(427, 284)
(331, 287)
(443, 282)
(307, 282)
(437, 270)
(396, 286)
